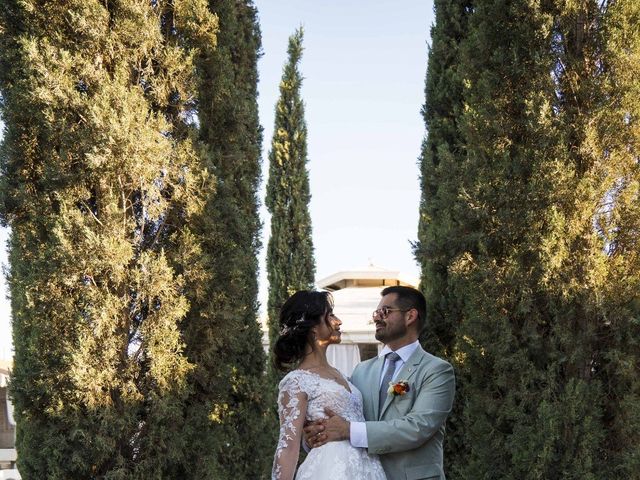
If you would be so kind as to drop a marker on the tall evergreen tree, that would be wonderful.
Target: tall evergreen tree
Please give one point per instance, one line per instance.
(226, 415)
(290, 262)
(510, 185)
(594, 281)
(100, 175)
(445, 229)
(549, 183)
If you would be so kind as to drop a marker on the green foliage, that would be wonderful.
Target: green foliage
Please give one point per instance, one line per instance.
(290, 262)
(540, 282)
(101, 177)
(226, 418)
(445, 228)
(130, 171)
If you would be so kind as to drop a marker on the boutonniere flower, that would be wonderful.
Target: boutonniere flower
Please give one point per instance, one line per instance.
(398, 388)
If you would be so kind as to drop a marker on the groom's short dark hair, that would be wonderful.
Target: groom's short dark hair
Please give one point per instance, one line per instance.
(408, 298)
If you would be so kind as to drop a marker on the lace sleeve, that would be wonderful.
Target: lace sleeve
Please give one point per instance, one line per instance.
(292, 409)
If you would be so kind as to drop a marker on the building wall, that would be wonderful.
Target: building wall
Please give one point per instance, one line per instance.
(7, 431)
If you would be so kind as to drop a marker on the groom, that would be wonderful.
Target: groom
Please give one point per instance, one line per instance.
(406, 427)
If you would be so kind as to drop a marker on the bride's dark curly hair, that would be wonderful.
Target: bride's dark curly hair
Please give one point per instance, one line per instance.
(300, 313)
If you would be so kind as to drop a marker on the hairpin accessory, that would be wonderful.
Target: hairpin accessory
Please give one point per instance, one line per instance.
(288, 329)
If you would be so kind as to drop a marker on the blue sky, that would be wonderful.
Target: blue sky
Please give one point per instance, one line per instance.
(364, 66)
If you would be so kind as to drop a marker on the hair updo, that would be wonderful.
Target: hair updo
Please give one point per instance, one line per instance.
(300, 313)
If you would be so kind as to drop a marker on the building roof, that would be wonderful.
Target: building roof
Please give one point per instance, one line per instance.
(370, 276)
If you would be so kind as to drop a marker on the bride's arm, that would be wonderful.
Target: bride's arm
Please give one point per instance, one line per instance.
(292, 409)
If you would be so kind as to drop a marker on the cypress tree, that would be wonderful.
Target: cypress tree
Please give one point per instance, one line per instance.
(290, 262)
(444, 230)
(544, 348)
(225, 417)
(595, 281)
(100, 175)
(515, 179)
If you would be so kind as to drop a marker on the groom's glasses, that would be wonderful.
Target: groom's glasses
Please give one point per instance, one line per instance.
(384, 312)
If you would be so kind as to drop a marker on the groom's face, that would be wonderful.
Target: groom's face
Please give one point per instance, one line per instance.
(393, 327)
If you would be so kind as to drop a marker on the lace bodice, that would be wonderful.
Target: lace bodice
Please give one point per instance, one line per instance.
(323, 393)
(304, 395)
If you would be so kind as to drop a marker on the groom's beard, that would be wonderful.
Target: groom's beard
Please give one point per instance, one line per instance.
(389, 333)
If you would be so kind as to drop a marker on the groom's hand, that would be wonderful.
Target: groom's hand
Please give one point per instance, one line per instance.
(313, 435)
(335, 427)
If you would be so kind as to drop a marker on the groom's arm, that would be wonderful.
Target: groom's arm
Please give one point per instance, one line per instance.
(430, 410)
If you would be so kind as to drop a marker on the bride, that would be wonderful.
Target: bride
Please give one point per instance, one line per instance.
(308, 326)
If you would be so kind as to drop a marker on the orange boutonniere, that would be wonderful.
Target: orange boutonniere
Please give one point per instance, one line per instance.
(398, 388)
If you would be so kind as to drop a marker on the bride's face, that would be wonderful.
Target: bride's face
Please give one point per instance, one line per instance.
(328, 330)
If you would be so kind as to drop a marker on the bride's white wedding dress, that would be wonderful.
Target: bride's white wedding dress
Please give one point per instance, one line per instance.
(304, 391)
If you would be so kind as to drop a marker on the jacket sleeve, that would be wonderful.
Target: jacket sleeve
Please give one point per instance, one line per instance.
(429, 413)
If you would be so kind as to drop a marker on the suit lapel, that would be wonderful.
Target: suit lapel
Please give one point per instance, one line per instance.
(406, 372)
(374, 385)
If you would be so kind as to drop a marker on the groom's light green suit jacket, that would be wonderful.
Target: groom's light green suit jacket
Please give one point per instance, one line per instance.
(407, 431)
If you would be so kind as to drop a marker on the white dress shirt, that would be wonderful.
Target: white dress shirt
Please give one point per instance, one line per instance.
(358, 430)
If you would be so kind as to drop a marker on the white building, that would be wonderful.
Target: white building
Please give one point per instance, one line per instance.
(356, 294)
(7, 429)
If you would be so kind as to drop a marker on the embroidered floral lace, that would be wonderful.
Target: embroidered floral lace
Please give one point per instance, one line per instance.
(303, 396)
